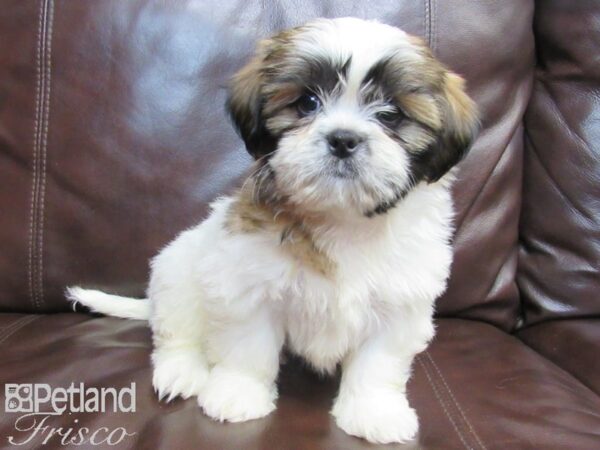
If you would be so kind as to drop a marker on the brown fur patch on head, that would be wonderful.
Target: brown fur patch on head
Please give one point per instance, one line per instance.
(253, 97)
(437, 119)
(459, 120)
(262, 95)
(459, 124)
(461, 112)
(257, 209)
(423, 108)
(246, 96)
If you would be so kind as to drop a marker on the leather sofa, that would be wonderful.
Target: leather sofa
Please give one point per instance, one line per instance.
(113, 138)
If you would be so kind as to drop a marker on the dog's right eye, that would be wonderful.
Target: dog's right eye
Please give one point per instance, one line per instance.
(308, 104)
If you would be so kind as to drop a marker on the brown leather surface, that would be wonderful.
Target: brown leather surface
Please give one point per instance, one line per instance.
(17, 81)
(488, 194)
(459, 407)
(560, 228)
(121, 138)
(573, 345)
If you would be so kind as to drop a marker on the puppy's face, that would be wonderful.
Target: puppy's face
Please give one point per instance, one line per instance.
(349, 115)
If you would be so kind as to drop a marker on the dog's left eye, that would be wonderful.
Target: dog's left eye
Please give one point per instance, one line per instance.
(308, 104)
(390, 118)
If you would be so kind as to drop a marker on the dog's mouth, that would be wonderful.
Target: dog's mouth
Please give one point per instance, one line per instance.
(341, 169)
(345, 169)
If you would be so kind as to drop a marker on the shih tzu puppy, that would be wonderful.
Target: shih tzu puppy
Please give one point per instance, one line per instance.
(336, 245)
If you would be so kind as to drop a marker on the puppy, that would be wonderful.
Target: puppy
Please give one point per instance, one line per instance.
(337, 244)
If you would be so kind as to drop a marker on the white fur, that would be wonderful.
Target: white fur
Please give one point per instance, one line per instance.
(221, 305)
(114, 305)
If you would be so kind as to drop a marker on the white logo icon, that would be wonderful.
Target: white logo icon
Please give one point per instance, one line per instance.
(18, 398)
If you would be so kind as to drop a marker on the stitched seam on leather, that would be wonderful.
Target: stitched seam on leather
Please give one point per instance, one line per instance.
(41, 207)
(460, 410)
(10, 326)
(42, 75)
(16, 326)
(34, 164)
(441, 402)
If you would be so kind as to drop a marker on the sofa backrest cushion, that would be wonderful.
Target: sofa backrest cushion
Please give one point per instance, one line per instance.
(559, 264)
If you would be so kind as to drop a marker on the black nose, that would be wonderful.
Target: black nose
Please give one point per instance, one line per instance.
(343, 143)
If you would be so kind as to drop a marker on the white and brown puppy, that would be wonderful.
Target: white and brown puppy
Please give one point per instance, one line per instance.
(338, 243)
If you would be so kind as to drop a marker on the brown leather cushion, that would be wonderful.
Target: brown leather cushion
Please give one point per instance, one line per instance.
(573, 345)
(114, 139)
(560, 228)
(476, 387)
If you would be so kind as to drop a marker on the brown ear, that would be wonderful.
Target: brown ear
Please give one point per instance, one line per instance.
(460, 124)
(245, 102)
(462, 117)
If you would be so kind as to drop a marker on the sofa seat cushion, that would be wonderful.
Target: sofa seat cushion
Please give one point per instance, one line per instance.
(572, 344)
(476, 387)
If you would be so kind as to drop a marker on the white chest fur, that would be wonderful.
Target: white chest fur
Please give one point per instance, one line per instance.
(394, 263)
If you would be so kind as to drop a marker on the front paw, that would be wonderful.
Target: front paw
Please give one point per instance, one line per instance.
(236, 397)
(178, 373)
(381, 417)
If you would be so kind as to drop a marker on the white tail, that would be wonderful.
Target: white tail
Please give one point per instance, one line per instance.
(110, 305)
